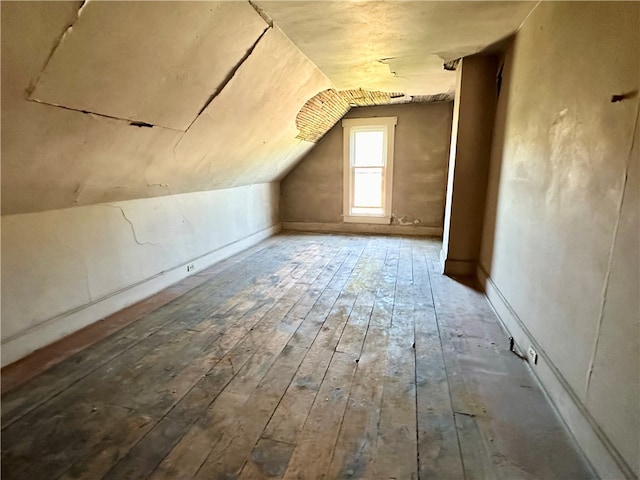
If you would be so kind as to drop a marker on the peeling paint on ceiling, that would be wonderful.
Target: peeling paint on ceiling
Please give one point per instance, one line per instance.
(394, 46)
(321, 112)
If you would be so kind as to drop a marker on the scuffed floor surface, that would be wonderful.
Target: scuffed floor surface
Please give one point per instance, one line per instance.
(306, 357)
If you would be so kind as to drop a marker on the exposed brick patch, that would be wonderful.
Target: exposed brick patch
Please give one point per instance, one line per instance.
(321, 112)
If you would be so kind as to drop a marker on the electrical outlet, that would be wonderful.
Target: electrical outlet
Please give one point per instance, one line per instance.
(190, 267)
(533, 356)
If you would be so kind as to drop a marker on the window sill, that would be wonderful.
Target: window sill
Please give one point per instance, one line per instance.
(367, 219)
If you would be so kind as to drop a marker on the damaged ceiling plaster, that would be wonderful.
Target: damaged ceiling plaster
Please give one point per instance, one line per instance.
(325, 109)
(110, 101)
(394, 46)
(115, 61)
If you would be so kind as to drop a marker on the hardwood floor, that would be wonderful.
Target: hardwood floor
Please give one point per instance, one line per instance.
(306, 357)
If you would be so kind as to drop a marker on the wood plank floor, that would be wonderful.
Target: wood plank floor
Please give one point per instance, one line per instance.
(306, 357)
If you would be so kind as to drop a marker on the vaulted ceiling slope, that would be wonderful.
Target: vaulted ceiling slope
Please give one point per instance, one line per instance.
(107, 101)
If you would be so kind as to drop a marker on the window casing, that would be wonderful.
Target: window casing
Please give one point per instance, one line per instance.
(368, 169)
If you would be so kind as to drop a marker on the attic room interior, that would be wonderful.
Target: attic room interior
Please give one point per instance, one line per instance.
(320, 240)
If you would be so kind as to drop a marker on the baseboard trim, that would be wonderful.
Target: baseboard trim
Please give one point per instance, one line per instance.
(53, 329)
(363, 228)
(459, 268)
(596, 446)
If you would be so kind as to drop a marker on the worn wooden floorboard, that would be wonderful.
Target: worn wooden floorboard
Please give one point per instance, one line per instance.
(43, 360)
(308, 357)
(185, 313)
(262, 340)
(438, 449)
(396, 447)
(354, 452)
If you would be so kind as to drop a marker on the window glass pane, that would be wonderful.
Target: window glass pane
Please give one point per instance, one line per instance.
(368, 148)
(367, 187)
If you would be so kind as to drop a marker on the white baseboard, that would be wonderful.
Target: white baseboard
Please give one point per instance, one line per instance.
(598, 449)
(362, 228)
(23, 343)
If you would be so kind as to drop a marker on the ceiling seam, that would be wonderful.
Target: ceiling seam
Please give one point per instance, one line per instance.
(229, 76)
(130, 121)
(32, 86)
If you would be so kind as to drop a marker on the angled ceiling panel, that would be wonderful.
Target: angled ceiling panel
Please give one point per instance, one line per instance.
(248, 132)
(56, 158)
(152, 62)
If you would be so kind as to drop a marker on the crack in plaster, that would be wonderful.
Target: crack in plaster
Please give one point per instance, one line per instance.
(404, 220)
(265, 16)
(78, 191)
(230, 75)
(385, 61)
(451, 65)
(133, 228)
(162, 185)
(76, 254)
(130, 121)
(32, 85)
(185, 219)
(605, 288)
(527, 17)
(222, 86)
(88, 281)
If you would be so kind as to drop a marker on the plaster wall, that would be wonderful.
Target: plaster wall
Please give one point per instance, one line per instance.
(469, 159)
(217, 87)
(312, 191)
(64, 269)
(560, 251)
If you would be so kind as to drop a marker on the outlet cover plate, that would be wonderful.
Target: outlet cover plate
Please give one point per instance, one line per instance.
(533, 356)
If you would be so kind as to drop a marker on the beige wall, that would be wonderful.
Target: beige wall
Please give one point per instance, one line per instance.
(64, 269)
(200, 181)
(312, 192)
(469, 159)
(560, 243)
(69, 95)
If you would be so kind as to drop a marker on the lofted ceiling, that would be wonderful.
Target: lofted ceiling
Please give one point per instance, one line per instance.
(107, 101)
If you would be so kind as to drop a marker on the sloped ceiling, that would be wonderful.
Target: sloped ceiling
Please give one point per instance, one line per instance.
(106, 101)
(115, 60)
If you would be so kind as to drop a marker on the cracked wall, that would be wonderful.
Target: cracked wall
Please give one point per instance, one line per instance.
(64, 269)
(560, 239)
(99, 106)
(173, 63)
(164, 150)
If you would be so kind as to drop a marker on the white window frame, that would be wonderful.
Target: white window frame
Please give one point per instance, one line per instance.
(350, 126)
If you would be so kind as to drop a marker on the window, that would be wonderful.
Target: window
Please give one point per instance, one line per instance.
(368, 169)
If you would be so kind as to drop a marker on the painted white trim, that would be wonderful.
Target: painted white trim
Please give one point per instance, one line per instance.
(348, 124)
(23, 343)
(598, 449)
(367, 219)
(363, 228)
(369, 121)
(443, 254)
